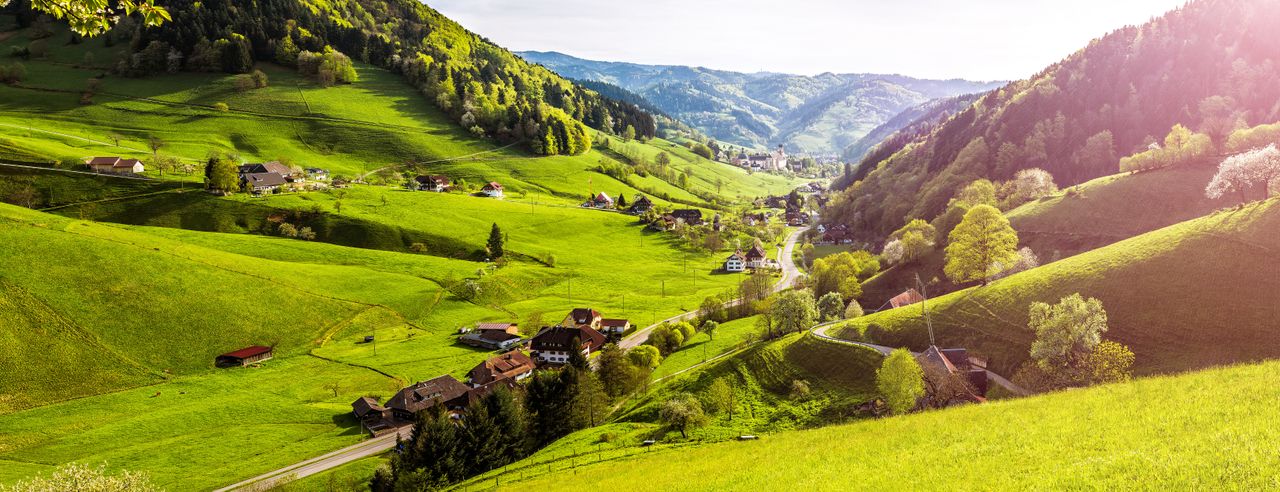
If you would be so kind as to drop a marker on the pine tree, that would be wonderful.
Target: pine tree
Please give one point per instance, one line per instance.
(497, 242)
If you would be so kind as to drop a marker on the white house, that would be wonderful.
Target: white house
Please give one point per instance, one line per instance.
(492, 190)
(115, 165)
(735, 263)
(554, 345)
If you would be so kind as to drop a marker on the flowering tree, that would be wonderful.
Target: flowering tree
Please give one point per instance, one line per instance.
(76, 477)
(1257, 167)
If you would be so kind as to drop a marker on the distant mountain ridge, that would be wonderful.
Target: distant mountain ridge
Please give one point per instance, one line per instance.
(823, 113)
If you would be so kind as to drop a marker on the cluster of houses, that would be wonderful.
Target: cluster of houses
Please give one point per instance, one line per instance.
(115, 165)
(772, 161)
(583, 330)
(836, 234)
(271, 177)
(440, 184)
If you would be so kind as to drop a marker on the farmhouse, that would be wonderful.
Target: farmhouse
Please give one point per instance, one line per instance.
(372, 415)
(244, 356)
(513, 365)
(735, 263)
(690, 216)
(911, 296)
(756, 257)
(553, 345)
(491, 340)
(511, 328)
(437, 183)
(115, 165)
(583, 317)
(615, 327)
(956, 362)
(492, 190)
(837, 234)
(601, 200)
(261, 182)
(444, 390)
(641, 205)
(317, 174)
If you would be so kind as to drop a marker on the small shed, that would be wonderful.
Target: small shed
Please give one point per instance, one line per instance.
(244, 356)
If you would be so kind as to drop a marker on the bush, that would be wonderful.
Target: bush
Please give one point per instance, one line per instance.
(221, 106)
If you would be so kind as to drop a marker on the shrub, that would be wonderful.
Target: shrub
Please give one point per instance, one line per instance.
(221, 106)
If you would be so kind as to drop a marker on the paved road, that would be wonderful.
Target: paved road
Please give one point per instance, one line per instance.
(789, 275)
(316, 465)
(820, 331)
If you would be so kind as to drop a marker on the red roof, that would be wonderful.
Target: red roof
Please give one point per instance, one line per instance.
(104, 161)
(247, 352)
(911, 296)
(493, 185)
(614, 322)
(126, 163)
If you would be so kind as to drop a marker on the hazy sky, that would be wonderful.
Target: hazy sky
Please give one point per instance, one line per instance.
(980, 39)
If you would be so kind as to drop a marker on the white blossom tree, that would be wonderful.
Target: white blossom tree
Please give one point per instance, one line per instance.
(1240, 172)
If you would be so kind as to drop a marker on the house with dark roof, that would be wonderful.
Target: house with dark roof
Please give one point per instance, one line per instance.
(492, 190)
(756, 257)
(261, 182)
(583, 317)
(317, 174)
(435, 182)
(640, 205)
(491, 340)
(444, 390)
(244, 356)
(690, 216)
(553, 345)
(372, 415)
(514, 365)
(956, 362)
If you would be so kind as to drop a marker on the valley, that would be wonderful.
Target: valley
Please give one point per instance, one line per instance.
(355, 245)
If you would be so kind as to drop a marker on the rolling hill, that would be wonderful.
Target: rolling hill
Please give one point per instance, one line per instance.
(1082, 218)
(1188, 296)
(1110, 436)
(819, 114)
(1194, 66)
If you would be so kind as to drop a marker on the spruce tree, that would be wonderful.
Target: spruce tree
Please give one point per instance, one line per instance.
(497, 242)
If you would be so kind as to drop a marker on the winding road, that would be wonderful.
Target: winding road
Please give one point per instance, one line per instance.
(789, 275)
(820, 332)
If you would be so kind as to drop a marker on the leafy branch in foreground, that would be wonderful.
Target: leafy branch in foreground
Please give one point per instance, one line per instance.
(94, 17)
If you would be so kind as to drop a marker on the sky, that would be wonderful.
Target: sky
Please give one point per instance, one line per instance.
(977, 39)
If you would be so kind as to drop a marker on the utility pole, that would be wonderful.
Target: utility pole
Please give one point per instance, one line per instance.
(924, 298)
(664, 288)
(570, 286)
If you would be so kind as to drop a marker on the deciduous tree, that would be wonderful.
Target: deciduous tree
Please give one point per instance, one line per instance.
(900, 381)
(977, 247)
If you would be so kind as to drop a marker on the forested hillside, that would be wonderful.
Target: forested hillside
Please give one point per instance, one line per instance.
(483, 87)
(818, 114)
(1209, 66)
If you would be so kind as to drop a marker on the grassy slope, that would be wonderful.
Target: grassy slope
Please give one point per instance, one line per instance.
(1092, 215)
(840, 377)
(379, 121)
(1109, 437)
(1187, 296)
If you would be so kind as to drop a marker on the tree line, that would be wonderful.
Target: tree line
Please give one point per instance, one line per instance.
(484, 88)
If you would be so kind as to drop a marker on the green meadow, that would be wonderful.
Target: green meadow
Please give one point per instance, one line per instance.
(1108, 437)
(1176, 305)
